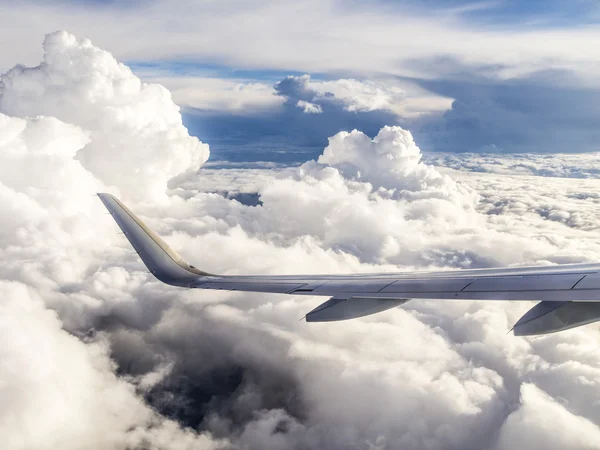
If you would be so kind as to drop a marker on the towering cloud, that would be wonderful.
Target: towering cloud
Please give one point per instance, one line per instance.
(136, 138)
(390, 160)
(78, 123)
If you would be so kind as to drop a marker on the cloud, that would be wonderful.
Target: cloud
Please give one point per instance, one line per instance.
(309, 108)
(85, 86)
(401, 98)
(544, 112)
(560, 165)
(128, 362)
(61, 392)
(323, 36)
(468, 109)
(549, 112)
(245, 96)
(390, 160)
(239, 96)
(405, 99)
(361, 96)
(295, 131)
(522, 428)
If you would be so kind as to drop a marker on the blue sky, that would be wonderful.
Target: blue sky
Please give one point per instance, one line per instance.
(515, 12)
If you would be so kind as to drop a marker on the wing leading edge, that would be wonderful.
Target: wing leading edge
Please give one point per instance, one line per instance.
(560, 289)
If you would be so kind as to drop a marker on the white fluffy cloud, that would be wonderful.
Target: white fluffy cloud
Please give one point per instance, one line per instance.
(308, 107)
(389, 160)
(59, 392)
(524, 427)
(403, 98)
(236, 370)
(136, 136)
(362, 96)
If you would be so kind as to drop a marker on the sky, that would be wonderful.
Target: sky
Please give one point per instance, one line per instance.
(292, 137)
(463, 76)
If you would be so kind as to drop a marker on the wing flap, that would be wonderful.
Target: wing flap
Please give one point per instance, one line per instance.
(345, 308)
(429, 286)
(354, 286)
(525, 283)
(550, 317)
(589, 282)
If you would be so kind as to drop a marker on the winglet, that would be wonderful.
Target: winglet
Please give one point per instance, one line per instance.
(162, 261)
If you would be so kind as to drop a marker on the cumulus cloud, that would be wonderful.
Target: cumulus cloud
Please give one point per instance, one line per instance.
(391, 159)
(524, 429)
(361, 96)
(61, 392)
(403, 98)
(85, 86)
(127, 362)
(309, 108)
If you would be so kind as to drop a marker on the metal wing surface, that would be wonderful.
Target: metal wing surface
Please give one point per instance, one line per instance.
(557, 287)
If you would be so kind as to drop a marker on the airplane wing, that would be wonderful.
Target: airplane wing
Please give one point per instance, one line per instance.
(568, 295)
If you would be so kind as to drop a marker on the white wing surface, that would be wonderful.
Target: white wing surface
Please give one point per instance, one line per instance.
(567, 293)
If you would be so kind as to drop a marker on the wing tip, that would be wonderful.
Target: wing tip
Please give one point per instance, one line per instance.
(151, 248)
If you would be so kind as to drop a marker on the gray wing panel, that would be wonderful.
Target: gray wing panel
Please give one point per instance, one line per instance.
(366, 284)
(429, 286)
(549, 287)
(589, 282)
(525, 283)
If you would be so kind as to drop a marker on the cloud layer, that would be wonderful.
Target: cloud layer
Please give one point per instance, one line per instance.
(99, 354)
(320, 36)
